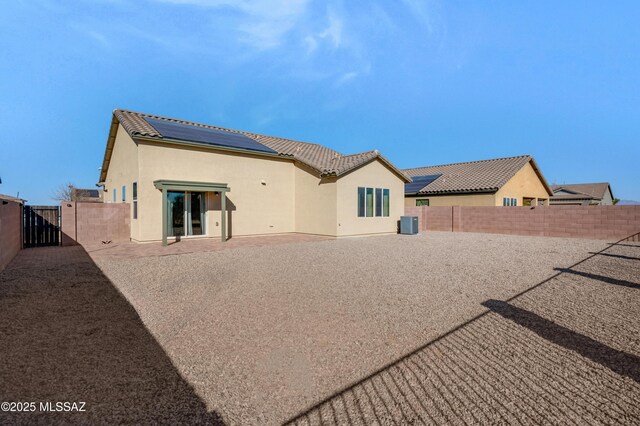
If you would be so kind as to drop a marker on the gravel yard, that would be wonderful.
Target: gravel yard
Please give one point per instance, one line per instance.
(342, 331)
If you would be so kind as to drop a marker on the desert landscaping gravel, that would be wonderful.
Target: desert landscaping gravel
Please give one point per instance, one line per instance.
(442, 328)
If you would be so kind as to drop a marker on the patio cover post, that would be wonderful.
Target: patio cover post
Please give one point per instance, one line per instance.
(223, 216)
(165, 225)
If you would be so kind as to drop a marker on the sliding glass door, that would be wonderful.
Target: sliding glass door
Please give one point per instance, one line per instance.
(186, 213)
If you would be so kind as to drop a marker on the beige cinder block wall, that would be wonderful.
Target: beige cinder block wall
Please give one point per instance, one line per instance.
(525, 183)
(123, 170)
(315, 203)
(10, 231)
(255, 208)
(375, 175)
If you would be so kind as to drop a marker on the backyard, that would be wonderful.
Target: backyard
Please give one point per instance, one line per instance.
(437, 328)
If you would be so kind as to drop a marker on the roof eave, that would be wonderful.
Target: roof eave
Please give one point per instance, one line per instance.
(106, 160)
(540, 176)
(387, 163)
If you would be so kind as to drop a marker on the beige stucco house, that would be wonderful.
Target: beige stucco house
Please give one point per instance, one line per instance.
(180, 176)
(512, 181)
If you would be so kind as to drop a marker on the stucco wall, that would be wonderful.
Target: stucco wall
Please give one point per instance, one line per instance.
(375, 175)
(10, 231)
(315, 203)
(525, 183)
(123, 170)
(607, 200)
(454, 200)
(254, 207)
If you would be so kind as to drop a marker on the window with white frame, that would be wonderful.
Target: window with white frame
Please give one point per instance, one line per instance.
(124, 193)
(373, 202)
(507, 201)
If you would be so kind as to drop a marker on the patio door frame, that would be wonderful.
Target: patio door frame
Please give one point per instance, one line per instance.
(186, 186)
(187, 213)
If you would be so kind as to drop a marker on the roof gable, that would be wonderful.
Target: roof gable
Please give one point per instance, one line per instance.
(584, 190)
(485, 176)
(325, 161)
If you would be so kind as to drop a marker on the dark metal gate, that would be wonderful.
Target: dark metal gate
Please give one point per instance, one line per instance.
(41, 226)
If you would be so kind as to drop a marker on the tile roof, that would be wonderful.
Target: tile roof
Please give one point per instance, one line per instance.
(473, 176)
(581, 191)
(325, 161)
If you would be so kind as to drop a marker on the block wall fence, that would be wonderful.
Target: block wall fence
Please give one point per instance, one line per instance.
(10, 231)
(92, 223)
(594, 222)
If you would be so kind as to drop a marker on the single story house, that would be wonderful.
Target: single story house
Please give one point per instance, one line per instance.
(196, 180)
(582, 194)
(512, 181)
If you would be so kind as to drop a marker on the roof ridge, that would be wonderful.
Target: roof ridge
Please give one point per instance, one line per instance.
(471, 162)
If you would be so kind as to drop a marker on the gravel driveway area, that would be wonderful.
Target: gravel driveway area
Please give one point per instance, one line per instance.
(436, 328)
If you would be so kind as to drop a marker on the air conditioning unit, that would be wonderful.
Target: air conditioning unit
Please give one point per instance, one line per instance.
(409, 225)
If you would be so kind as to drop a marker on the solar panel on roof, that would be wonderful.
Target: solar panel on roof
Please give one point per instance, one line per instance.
(191, 133)
(418, 183)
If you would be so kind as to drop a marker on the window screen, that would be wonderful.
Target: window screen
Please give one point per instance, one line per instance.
(361, 202)
(385, 203)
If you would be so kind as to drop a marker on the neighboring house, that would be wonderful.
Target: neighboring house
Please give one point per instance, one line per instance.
(513, 181)
(582, 194)
(180, 176)
(83, 195)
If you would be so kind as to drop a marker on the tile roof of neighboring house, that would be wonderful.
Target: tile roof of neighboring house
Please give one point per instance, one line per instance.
(581, 191)
(87, 195)
(325, 161)
(474, 176)
(13, 199)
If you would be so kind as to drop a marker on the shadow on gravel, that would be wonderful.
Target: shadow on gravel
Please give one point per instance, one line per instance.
(617, 256)
(68, 335)
(621, 362)
(608, 280)
(487, 371)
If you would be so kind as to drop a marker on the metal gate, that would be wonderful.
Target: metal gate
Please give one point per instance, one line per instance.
(41, 226)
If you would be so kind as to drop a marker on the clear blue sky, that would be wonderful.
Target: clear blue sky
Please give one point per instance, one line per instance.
(425, 82)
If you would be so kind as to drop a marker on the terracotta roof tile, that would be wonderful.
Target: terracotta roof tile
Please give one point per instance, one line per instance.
(581, 190)
(474, 176)
(324, 160)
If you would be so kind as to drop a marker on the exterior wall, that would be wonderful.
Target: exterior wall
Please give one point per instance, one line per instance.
(376, 175)
(253, 207)
(10, 231)
(123, 170)
(525, 183)
(596, 222)
(455, 200)
(315, 203)
(607, 200)
(92, 223)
